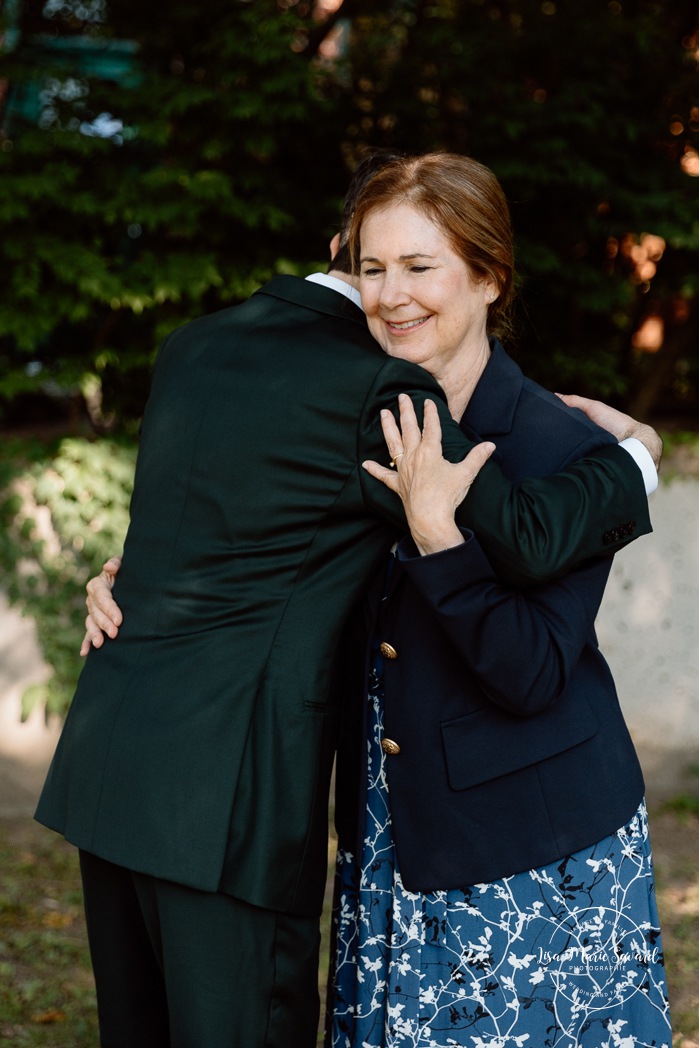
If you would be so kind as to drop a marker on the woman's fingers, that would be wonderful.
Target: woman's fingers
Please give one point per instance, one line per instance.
(104, 614)
(431, 426)
(410, 430)
(472, 465)
(391, 434)
(111, 566)
(387, 476)
(103, 609)
(409, 436)
(94, 637)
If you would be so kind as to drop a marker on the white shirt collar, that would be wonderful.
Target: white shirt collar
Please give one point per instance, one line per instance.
(335, 284)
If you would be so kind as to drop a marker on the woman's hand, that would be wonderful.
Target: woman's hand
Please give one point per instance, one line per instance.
(430, 487)
(617, 423)
(104, 615)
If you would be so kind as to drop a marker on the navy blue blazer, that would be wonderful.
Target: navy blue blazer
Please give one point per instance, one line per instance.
(513, 747)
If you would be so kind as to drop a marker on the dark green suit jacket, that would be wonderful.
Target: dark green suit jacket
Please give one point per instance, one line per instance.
(199, 744)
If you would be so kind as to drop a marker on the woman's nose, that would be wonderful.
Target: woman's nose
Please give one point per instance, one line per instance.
(394, 291)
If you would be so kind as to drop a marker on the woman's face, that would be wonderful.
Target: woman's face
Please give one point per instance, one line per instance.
(420, 298)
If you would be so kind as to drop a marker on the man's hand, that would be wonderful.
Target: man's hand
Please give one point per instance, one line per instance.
(430, 487)
(104, 615)
(617, 423)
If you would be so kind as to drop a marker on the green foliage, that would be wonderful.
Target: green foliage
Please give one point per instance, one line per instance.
(63, 511)
(179, 153)
(585, 112)
(111, 241)
(686, 804)
(680, 459)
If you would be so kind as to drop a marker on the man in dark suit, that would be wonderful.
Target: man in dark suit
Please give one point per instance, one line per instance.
(194, 765)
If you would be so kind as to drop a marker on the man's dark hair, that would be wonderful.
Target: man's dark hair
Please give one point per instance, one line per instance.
(371, 163)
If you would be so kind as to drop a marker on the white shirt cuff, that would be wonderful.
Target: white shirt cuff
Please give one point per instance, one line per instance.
(642, 457)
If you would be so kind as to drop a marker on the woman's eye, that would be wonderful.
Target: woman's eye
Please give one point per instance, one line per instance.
(419, 269)
(371, 272)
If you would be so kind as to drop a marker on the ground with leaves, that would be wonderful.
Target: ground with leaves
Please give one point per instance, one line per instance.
(46, 990)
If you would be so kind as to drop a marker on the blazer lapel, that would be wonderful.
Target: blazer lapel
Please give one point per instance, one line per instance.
(491, 409)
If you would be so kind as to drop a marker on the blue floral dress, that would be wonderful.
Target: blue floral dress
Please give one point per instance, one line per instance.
(565, 956)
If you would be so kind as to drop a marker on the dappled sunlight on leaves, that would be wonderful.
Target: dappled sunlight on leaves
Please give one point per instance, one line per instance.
(62, 515)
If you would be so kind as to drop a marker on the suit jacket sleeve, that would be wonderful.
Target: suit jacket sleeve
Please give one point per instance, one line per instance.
(531, 532)
(522, 648)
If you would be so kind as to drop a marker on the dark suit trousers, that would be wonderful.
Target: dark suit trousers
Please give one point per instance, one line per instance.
(179, 968)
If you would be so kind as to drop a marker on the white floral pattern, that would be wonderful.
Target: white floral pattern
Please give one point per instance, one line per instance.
(566, 956)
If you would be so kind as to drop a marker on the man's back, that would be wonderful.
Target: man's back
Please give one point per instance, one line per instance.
(251, 537)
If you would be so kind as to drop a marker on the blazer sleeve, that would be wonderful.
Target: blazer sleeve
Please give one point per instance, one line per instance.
(521, 647)
(544, 527)
(531, 532)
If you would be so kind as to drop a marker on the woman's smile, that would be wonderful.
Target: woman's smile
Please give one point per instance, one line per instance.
(399, 326)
